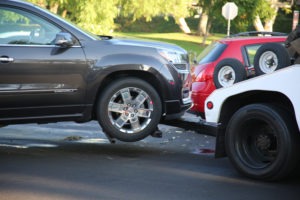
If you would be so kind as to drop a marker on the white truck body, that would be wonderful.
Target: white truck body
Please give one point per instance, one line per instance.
(284, 81)
(256, 123)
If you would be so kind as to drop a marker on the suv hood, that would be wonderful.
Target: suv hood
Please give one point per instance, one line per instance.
(148, 43)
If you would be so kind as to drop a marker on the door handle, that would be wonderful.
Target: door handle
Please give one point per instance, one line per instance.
(6, 59)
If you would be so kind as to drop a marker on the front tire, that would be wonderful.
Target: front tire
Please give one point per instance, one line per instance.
(129, 109)
(262, 142)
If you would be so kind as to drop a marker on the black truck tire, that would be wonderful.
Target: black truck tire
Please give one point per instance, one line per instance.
(262, 142)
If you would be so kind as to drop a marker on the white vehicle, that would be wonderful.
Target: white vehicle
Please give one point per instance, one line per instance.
(258, 122)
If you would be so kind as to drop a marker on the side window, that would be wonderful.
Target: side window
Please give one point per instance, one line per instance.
(251, 51)
(18, 27)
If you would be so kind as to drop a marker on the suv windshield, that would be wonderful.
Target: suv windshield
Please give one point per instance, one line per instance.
(211, 53)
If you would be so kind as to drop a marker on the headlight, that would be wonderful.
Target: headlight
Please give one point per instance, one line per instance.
(179, 60)
(171, 56)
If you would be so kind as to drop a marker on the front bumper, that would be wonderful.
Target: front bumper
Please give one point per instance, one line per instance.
(177, 92)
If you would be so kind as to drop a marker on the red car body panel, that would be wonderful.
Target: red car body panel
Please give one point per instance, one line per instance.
(202, 74)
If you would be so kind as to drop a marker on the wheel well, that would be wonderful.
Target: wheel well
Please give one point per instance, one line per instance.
(232, 104)
(148, 77)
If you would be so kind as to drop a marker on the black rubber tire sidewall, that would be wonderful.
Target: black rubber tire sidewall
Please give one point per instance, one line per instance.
(279, 50)
(236, 65)
(102, 108)
(288, 139)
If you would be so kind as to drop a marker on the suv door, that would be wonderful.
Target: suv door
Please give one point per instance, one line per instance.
(33, 82)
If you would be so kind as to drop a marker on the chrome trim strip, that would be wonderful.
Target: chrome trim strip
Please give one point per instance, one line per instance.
(39, 91)
(77, 115)
(27, 45)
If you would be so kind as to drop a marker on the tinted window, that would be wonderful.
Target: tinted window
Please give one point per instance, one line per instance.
(251, 51)
(211, 53)
(20, 27)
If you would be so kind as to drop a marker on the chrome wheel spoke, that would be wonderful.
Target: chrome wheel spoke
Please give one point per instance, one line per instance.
(135, 124)
(126, 96)
(116, 107)
(140, 99)
(145, 113)
(121, 121)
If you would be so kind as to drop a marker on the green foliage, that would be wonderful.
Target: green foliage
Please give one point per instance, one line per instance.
(263, 10)
(103, 16)
(283, 22)
(156, 25)
(247, 11)
(148, 9)
(13, 17)
(97, 16)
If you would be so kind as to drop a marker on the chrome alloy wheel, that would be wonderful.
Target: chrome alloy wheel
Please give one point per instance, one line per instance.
(130, 110)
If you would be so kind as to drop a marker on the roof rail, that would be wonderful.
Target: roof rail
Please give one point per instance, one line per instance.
(258, 33)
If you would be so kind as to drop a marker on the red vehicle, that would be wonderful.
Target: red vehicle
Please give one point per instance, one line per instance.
(226, 62)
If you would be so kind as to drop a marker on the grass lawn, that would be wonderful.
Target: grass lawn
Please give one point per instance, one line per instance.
(192, 43)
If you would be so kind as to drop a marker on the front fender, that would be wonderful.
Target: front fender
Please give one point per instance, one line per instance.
(148, 68)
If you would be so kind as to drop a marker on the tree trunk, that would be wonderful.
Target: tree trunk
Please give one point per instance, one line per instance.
(41, 3)
(270, 22)
(258, 24)
(64, 13)
(183, 25)
(207, 32)
(202, 26)
(269, 25)
(54, 7)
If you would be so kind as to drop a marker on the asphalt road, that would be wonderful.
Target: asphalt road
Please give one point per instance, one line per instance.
(76, 161)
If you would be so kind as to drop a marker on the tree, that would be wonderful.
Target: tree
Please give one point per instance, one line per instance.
(7, 16)
(267, 13)
(98, 15)
(89, 14)
(52, 5)
(259, 13)
(247, 11)
(179, 9)
(206, 16)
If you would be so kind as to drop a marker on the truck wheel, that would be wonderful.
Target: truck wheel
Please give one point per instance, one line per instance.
(129, 109)
(262, 141)
(228, 72)
(270, 57)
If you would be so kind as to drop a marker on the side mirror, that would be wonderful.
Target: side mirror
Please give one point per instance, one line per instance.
(64, 40)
